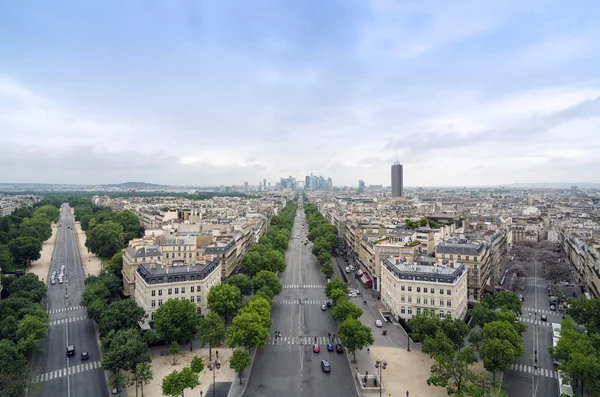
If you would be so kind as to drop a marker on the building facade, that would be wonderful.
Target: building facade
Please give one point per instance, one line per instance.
(408, 289)
(397, 180)
(140, 251)
(156, 283)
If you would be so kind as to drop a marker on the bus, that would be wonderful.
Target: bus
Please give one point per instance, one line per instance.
(564, 388)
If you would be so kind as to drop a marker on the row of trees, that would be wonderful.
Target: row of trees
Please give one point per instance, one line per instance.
(578, 349)
(22, 234)
(420, 223)
(353, 334)
(23, 327)
(324, 237)
(107, 232)
(495, 337)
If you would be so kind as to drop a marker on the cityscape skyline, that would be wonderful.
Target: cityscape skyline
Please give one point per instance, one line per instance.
(189, 95)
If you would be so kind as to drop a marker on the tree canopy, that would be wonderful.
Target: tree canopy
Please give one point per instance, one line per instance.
(105, 239)
(355, 335)
(176, 321)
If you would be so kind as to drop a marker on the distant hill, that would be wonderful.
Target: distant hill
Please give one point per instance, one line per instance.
(557, 185)
(136, 185)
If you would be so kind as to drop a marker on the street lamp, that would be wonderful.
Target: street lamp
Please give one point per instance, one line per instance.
(408, 340)
(380, 365)
(214, 366)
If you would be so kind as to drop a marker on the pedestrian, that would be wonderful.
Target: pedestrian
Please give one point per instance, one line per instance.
(357, 370)
(217, 352)
(280, 334)
(329, 335)
(368, 350)
(333, 336)
(407, 393)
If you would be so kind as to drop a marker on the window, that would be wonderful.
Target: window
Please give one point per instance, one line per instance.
(167, 255)
(402, 288)
(441, 291)
(176, 290)
(152, 316)
(179, 254)
(424, 300)
(192, 288)
(467, 258)
(192, 299)
(170, 291)
(425, 289)
(418, 300)
(199, 310)
(153, 292)
(153, 303)
(198, 299)
(402, 299)
(432, 302)
(418, 289)
(409, 311)
(449, 314)
(183, 290)
(418, 310)
(409, 298)
(160, 292)
(432, 291)
(441, 314)
(448, 292)
(402, 310)
(409, 288)
(160, 302)
(198, 289)
(449, 303)
(441, 302)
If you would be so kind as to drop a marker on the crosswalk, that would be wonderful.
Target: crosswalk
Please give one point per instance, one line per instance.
(536, 285)
(59, 373)
(548, 373)
(295, 286)
(299, 340)
(65, 309)
(304, 302)
(532, 321)
(67, 320)
(532, 310)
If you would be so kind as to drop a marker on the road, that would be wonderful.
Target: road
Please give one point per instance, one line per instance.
(287, 366)
(59, 375)
(524, 380)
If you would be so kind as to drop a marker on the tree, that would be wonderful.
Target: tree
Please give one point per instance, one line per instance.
(355, 335)
(335, 284)
(424, 325)
(120, 315)
(49, 211)
(252, 263)
(327, 269)
(337, 296)
(31, 332)
(475, 338)
(176, 321)
(274, 261)
(510, 300)
(345, 309)
(247, 330)
(115, 265)
(5, 256)
(106, 239)
(212, 331)
(28, 286)
(174, 350)
(124, 349)
(266, 293)
(197, 365)
(506, 332)
(239, 361)
(265, 278)
(13, 370)
(130, 223)
(36, 227)
(497, 355)
(95, 292)
(25, 249)
(586, 312)
(242, 282)
(262, 307)
(176, 382)
(224, 299)
(143, 376)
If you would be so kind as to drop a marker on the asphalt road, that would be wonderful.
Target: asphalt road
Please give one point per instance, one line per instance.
(57, 374)
(287, 366)
(524, 380)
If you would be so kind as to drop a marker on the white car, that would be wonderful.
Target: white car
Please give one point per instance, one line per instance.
(351, 267)
(355, 291)
(352, 295)
(378, 323)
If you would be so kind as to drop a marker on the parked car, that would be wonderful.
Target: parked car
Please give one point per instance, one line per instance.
(339, 348)
(378, 323)
(316, 348)
(352, 295)
(328, 303)
(355, 291)
(552, 307)
(325, 366)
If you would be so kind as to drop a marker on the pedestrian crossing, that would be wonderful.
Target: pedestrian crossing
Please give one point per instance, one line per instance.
(59, 373)
(532, 321)
(67, 320)
(302, 286)
(538, 311)
(299, 340)
(66, 309)
(548, 373)
(304, 302)
(536, 285)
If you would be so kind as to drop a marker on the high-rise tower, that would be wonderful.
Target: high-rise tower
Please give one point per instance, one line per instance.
(397, 182)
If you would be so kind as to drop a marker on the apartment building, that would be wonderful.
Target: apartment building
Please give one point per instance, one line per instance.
(156, 283)
(408, 289)
(140, 251)
(584, 255)
(225, 251)
(475, 256)
(178, 249)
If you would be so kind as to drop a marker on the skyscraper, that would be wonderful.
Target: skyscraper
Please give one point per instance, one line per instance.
(397, 182)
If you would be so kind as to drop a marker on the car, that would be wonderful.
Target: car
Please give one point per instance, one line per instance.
(70, 350)
(324, 307)
(328, 303)
(316, 348)
(378, 323)
(60, 280)
(325, 366)
(351, 267)
(552, 307)
(355, 291)
(330, 347)
(339, 348)
(521, 298)
(52, 281)
(85, 355)
(544, 317)
(352, 295)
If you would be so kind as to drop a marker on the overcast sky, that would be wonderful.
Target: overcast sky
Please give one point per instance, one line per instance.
(223, 92)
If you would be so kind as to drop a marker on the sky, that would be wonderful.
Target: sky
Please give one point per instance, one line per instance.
(225, 92)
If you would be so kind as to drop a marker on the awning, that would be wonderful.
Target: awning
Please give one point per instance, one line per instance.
(365, 279)
(359, 272)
